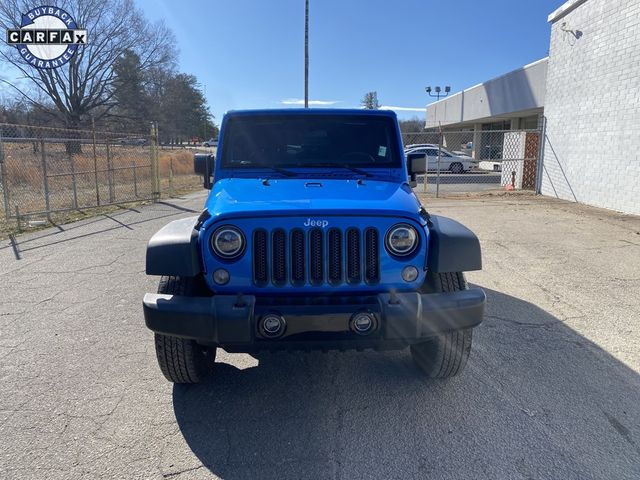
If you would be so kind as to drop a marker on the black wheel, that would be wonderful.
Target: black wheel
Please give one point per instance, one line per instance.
(182, 360)
(456, 167)
(446, 354)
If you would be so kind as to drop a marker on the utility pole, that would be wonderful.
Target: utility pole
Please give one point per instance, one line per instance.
(306, 54)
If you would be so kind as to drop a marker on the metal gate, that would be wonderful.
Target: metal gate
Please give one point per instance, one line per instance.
(466, 161)
(48, 170)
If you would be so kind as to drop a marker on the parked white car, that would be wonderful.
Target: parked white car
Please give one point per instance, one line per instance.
(448, 161)
(460, 153)
(413, 146)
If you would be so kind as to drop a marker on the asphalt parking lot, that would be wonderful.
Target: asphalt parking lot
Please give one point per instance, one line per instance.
(551, 389)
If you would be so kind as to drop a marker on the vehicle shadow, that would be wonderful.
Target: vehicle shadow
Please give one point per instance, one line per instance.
(452, 178)
(537, 400)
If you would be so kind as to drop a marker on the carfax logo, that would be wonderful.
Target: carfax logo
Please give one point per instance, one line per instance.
(48, 37)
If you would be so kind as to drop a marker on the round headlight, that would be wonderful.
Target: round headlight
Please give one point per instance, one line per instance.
(402, 239)
(228, 242)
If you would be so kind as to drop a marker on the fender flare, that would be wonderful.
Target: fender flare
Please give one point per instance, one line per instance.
(173, 250)
(452, 246)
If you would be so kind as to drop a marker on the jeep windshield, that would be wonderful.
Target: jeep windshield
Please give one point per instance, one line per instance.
(348, 143)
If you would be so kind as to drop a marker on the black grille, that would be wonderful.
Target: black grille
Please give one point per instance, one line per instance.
(260, 274)
(372, 256)
(297, 257)
(279, 257)
(334, 271)
(314, 257)
(353, 255)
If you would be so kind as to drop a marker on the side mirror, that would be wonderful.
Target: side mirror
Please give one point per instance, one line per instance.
(416, 165)
(203, 165)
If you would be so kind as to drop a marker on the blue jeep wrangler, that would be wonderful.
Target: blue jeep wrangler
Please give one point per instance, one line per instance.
(311, 238)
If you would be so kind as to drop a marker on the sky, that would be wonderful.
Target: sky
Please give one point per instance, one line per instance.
(250, 53)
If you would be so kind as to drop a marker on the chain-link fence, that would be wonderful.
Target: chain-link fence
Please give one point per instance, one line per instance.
(449, 162)
(45, 171)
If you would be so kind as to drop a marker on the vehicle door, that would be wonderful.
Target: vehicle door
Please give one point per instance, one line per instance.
(432, 159)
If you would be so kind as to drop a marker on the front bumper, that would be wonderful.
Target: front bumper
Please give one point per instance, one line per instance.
(231, 321)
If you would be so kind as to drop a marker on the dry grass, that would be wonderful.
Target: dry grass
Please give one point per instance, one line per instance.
(124, 174)
(180, 161)
(23, 165)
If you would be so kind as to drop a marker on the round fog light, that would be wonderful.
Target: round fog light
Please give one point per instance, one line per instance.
(363, 323)
(272, 325)
(221, 276)
(410, 273)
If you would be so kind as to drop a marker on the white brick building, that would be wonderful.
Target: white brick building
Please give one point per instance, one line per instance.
(592, 105)
(588, 90)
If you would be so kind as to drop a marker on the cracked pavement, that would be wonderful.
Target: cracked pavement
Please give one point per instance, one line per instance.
(551, 389)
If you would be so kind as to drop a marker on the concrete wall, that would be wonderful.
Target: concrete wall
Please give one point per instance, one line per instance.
(592, 106)
(517, 91)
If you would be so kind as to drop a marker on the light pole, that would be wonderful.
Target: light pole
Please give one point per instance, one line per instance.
(438, 91)
(306, 54)
(438, 94)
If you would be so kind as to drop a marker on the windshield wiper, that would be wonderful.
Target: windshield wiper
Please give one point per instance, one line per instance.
(340, 165)
(286, 173)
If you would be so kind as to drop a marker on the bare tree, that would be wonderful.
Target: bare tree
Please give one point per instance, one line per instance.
(370, 101)
(87, 84)
(412, 125)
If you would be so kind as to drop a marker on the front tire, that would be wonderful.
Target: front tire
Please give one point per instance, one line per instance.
(182, 360)
(446, 354)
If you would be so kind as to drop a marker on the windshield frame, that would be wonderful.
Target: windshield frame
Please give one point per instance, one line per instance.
(393, 168)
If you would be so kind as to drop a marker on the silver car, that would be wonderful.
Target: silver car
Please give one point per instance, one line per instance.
(448, 161)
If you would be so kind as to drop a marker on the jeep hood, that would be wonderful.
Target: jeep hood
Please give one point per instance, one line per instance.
(250, 197)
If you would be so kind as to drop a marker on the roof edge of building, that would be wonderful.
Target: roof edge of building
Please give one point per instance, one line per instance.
(489, 119)
(563, 9)
(528, 65)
